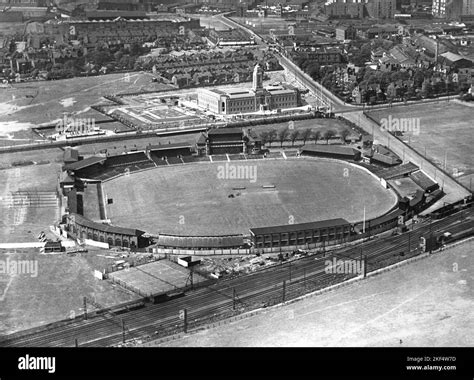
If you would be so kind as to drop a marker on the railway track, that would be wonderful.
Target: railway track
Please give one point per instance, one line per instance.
(253, 290)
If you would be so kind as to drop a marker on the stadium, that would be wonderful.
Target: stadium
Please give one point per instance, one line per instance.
(171, 197)
(210, 200)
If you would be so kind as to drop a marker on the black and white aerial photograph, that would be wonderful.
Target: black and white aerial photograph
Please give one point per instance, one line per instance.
(180, 175)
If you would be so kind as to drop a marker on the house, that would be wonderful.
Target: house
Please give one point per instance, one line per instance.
(455, 61)
(345, 33)
(70, 156)
(377, 54)
(383, 156)
(388, 63)
(181, 80)
(404, 56)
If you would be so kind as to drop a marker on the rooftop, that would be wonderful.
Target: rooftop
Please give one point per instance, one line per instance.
(298, 227)
(105, 227)
(330, 149)
(84, 163)
(224, 131)
(170, 146)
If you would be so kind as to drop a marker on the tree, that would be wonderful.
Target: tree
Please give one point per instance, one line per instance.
(391, 91)
(426, 89)
(313, 70)
(410, 92)
(329, 134)
(283, 135)
(135, 49)
(305, 135)
(264, 137)
(344, 134)
(316, 136)
(272, 134)
(363, 55)
(294, 136)
(118, 55)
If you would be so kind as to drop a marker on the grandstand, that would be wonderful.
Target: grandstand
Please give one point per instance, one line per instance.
(200, 242)
(127, 159)
(237, 157)
(397, 171)
(85, 163)
(293, 153)
(170, 150)
(380, 224)
(331, 151)
(83, 228)
(425, 182)
(300, 234)
(104, 168)
(219, 158)
(274, 155)
(189, 159)
(174, 161)
(255, 156)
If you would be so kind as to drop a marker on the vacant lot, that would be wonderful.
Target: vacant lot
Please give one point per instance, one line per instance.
(26, 105)
(194, 199)
(23, 223)
(445, 134)
(56, 293)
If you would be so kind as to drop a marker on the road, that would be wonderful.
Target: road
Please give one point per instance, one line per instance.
(254, 290)
(454, 190)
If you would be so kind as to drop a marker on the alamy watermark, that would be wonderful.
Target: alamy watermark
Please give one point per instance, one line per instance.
(241, 172)
(335, 266)
(19, 267)
(395, 124)
(75, 126)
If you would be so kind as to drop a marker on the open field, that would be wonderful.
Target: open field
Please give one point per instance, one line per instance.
(23, 223)
(26, 105)
(53, 155)
(56, 292)
(194, 199)
(445, 134)
(427, 303)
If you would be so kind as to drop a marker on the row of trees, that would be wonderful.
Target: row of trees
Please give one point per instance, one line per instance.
(287, 134)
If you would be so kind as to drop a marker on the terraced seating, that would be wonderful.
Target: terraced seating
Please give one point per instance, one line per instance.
(126, 159)
(202, 159)
(189, 159)
(291, 153)
(174, 161)
(274, 155)
(237, 157)
(255, 156)
(160, 162)
(219, 157)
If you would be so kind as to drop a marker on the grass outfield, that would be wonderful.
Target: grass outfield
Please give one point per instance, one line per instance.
(192, 200)
(444, 127)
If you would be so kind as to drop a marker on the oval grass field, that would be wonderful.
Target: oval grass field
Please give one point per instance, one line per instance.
(193, 199)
